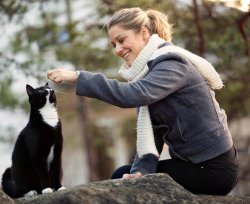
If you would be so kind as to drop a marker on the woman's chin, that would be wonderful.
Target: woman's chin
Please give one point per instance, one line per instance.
(129, 63)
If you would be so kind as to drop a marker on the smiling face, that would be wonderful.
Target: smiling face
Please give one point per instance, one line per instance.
(128, 44)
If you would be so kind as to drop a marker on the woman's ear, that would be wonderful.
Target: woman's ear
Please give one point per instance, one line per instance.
(145, 33)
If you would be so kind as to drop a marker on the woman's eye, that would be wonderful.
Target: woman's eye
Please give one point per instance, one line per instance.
(120, 40)
(112, 45)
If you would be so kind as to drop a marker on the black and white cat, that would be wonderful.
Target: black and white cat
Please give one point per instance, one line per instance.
(36, 159)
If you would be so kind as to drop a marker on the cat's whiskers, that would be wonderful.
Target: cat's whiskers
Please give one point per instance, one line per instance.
(61, 87)
(61, 100)
(61, 91)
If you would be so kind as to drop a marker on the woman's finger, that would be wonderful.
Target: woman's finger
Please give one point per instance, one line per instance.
(58, 79)
(49, 73)
(126, 176)
(137, 175)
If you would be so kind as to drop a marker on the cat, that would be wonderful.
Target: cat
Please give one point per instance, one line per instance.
(36, 158)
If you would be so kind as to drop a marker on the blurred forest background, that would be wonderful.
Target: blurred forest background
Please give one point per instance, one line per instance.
(37, 35)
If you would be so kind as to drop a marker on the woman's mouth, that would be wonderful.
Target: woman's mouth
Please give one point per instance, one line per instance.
(125, 55)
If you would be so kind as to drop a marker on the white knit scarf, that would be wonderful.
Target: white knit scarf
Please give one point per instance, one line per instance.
(145, 138)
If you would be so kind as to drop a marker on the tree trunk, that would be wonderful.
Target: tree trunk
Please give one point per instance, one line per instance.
(88, 140)
(199, 29)
(89, 145)
(240, 24)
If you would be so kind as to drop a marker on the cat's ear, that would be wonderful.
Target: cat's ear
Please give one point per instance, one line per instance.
(29, 89)
(47, 84)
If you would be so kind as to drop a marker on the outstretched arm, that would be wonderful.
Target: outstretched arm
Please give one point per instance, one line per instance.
(59, 75)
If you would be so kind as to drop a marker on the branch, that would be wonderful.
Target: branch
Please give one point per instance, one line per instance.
(199, 28)
(28, 70)
(209, 8)
(240, 24)
(6, 61)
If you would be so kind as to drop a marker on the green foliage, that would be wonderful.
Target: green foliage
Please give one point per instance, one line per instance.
(88, 47)
(10, 8)
(6, 98)
(108, 7)
(82, 53)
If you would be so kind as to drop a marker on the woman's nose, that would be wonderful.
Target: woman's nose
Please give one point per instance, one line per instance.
(118, 50)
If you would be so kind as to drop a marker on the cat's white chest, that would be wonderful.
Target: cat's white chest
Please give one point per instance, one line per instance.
(49, 114)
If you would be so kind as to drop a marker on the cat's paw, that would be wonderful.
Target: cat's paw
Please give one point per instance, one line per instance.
(61, 189)
(47, 190)
(30, 193)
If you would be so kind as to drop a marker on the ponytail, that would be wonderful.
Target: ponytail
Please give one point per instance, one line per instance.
(159, 24)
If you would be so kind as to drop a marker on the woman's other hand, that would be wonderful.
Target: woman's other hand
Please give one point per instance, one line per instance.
(59, 75)
(131, 176)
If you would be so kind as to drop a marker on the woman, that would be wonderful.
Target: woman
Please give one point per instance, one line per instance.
(172, 89)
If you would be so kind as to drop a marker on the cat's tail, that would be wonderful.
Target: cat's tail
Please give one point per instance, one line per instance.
(8, 183)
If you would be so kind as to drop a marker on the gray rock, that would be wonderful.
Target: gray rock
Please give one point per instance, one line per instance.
(4, 199)
(154, 188)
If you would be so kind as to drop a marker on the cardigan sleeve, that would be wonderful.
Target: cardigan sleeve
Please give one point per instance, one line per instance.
(164, 78)
(147, 164)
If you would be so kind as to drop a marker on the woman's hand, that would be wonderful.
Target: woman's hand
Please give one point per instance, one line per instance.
(59, 75)
(131, 176)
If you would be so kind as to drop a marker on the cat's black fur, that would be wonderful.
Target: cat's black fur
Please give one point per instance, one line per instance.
(30, 170)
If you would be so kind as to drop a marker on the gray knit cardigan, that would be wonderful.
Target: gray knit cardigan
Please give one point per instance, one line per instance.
(183, 109)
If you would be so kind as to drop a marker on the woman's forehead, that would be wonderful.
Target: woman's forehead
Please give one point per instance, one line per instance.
(116, 31)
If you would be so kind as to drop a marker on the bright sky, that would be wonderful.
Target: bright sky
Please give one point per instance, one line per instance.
(244, 4)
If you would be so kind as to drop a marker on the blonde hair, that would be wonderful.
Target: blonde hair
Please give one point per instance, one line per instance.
(134, 18)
